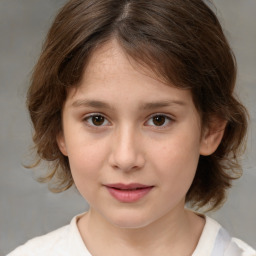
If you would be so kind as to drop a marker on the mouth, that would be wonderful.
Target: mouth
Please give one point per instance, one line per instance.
(128, 193)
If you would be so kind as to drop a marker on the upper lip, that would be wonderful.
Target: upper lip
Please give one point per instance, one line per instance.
(127, 186)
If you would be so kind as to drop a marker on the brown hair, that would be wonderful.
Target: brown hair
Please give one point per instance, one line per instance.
(180, 40)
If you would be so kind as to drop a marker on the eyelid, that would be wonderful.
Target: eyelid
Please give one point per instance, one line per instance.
(87, 116)
(167, 116)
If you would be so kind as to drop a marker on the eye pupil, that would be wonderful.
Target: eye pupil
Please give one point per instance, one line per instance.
(158, 120)
(98, 120)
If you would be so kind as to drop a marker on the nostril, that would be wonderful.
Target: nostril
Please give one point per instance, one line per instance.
(126, 154)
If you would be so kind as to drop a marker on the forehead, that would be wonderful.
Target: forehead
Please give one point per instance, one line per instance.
(111, 74)
(111, 59)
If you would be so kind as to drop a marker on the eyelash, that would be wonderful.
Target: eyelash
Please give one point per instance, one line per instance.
(167, 119)
(94, 115)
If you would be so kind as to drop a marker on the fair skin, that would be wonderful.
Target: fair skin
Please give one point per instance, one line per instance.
(142, 132)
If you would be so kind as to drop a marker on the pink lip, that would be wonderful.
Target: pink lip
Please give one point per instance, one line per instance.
(128, 193)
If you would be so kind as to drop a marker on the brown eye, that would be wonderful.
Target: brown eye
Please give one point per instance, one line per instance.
(159, 120)
(96, 120)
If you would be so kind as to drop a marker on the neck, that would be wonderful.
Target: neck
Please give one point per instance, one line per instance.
(166, 236)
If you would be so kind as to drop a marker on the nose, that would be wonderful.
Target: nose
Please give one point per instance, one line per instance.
(127, 154)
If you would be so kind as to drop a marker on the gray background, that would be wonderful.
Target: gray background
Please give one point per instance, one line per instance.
(27, 208)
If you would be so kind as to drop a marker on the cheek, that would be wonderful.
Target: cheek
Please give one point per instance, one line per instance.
(86, 161)
(177, 161)
(85, 165)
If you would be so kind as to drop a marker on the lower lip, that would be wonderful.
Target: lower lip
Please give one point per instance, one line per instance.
(129, 196)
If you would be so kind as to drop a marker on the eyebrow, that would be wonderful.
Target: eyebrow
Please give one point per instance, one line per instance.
(144, 106)
(161, 104)
(91, 103)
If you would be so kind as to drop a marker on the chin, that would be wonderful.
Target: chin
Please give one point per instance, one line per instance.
(130, 224)
(130, 221)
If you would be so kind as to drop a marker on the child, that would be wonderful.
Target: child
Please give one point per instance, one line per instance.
(132, 101)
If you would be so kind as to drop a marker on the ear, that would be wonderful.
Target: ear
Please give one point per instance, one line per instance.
(61, 143)
(212, 136)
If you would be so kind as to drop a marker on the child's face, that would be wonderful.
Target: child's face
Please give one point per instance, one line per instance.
(122, 127)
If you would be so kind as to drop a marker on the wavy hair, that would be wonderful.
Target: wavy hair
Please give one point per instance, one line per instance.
(182, 41)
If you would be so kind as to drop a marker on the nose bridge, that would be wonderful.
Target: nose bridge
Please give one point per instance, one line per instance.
(127, 151)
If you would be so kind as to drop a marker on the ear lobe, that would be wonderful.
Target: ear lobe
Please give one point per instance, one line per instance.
(61, 143)
(212, 136)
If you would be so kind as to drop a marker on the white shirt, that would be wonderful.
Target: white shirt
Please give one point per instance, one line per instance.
(67, 241)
